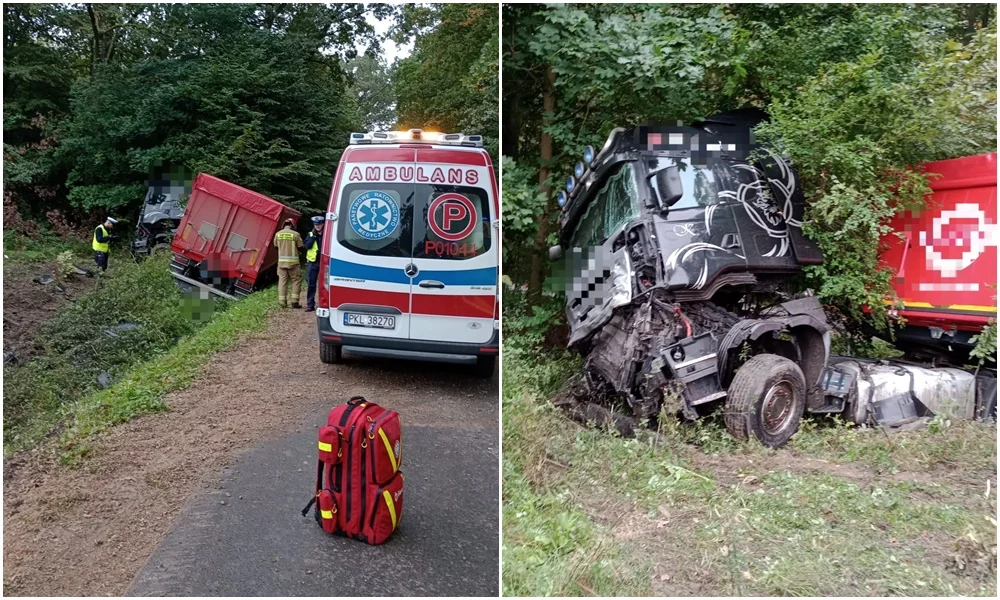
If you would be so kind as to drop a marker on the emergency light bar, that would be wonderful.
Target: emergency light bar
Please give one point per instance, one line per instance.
(417, 136)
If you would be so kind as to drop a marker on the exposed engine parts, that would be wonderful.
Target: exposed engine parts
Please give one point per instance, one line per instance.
(679, 244)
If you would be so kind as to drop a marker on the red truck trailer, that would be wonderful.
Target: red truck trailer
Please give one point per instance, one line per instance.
(224, 241)
(946, 258)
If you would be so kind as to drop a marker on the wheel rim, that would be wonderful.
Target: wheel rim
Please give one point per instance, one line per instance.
(776, 409)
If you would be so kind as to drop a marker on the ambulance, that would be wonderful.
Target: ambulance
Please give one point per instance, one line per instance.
(410, 257)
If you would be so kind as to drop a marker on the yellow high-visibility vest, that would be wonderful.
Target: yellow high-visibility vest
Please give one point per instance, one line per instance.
(100, 246)
(313, 253)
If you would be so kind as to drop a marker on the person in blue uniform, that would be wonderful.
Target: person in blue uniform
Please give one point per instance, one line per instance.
(312, 244)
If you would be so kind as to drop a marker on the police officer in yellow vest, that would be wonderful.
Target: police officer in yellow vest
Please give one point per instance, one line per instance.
(314, 240)
(102, 243)
(288, 242)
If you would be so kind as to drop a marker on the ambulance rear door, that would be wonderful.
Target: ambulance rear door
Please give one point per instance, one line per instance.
(454, 246)
(370, 253)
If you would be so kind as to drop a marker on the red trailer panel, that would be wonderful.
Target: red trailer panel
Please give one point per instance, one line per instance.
(225, 237)
(946, 261)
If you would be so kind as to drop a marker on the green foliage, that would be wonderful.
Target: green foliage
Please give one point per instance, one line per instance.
(860, 345)
(858, 94)
(450, 82)
(854, 130)
(373, 91)
(143, 389)
(84, 339)
(522, 208)
(985, 350)
(842, 510)
(65, 264)
(173, 339)
(97, 95)
(550, 546)
(20, 248)
(254, 109)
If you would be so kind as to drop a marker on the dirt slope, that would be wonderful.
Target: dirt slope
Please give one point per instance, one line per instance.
(27, 304)
(88, 531)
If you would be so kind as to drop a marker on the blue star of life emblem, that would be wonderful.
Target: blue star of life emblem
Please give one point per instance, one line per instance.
(374, 215)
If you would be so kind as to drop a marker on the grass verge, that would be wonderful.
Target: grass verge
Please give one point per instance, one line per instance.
(143, 389)
(20, 248)
(840, 511)
(118, 334)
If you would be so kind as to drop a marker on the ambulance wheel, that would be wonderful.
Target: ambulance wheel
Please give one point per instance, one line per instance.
(766, 400)
(485, 365)
(330, 354)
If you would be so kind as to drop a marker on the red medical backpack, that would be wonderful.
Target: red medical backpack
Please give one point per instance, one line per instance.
(359, 489)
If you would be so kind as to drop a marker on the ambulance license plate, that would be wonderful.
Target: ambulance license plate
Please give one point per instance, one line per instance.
(363, 320)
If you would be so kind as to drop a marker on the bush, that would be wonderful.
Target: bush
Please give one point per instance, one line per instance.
(135, 312)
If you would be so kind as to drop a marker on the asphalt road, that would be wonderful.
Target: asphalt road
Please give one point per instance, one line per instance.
(242, 534)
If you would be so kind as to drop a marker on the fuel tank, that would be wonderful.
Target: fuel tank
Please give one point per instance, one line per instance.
(942, 390)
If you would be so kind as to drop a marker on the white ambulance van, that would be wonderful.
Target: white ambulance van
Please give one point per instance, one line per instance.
(410, 257)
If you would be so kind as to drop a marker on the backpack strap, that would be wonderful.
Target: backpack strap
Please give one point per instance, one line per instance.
(319, 486)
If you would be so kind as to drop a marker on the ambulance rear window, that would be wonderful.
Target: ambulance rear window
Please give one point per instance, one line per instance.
(454, 222)
(376, 219)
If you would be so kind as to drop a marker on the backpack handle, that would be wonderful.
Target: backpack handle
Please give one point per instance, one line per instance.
(356, 400)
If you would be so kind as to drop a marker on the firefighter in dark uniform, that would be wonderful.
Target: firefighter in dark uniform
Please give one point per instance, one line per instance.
(288, 242)
(102, 243)
(312, 244)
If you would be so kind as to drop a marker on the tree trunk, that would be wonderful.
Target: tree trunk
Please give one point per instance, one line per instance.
(95, 43)
(539, 251)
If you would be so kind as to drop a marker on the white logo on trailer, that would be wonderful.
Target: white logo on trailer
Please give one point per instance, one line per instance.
(983, 236)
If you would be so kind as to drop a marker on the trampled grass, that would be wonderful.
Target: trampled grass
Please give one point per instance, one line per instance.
(134, 328)
(143, 389)
(691, 511)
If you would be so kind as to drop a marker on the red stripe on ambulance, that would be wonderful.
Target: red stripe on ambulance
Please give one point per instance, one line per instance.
(340, 295)
(476, 307)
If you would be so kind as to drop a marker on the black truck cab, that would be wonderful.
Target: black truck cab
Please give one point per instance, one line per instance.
(663, 233)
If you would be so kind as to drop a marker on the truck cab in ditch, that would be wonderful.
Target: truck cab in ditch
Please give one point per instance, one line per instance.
(676, 248)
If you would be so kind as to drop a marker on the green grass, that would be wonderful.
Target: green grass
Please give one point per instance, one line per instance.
(143, 389)
(59, 388)
(20, 248)
(695, 512)
(550, 546)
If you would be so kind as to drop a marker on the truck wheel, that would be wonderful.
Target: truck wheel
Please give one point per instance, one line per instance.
(485, 365)
(766, 400)
(330, 354)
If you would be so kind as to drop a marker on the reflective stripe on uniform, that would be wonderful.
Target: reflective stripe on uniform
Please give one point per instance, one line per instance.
(325, 447)
(313, 252)
(388, 448)
(392, 507)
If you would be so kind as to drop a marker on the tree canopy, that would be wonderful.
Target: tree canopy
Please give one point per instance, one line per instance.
(451, 81)
(858, 96)
(96, 96)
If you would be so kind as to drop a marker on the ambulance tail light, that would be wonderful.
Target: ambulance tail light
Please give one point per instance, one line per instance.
(324, 276)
